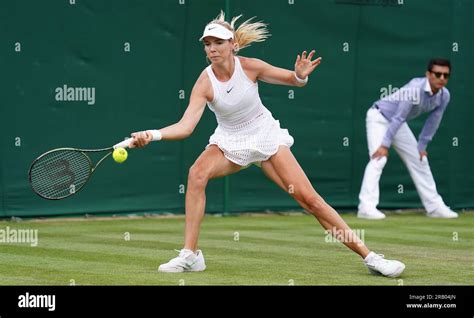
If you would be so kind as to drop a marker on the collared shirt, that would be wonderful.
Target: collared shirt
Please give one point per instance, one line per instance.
(412, 100)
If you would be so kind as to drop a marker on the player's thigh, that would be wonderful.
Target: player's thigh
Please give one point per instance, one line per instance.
(292, 176)
(269, 171)
(213, 164)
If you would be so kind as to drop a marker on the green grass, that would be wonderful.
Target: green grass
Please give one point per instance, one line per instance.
(270, 250)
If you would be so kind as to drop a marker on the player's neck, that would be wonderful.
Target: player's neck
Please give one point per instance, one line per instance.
(224, 70)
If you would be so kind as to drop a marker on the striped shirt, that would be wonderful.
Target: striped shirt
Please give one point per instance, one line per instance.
(412, 100)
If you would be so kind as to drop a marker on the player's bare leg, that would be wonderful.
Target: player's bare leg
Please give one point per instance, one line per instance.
(292, 179)
(285, 171)
(210, 164)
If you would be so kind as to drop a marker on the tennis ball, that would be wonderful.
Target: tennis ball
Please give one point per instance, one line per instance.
(120, 155)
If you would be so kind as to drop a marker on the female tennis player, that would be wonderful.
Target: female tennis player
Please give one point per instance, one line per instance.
(247, 134)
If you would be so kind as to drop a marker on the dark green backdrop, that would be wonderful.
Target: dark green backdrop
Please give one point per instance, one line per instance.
(365, 47)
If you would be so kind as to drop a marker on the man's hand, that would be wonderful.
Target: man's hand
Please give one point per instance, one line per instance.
(423, 154)
(381, 152)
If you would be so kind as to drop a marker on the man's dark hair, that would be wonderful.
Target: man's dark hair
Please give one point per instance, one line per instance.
(439, 62)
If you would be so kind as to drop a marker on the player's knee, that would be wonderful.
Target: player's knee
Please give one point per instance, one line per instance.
(197, 177)
(314, 203)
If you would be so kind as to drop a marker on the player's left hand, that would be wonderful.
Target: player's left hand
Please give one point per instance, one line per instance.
(304, 66)
(423, 154)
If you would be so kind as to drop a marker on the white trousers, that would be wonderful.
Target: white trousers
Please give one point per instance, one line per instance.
(406, 145)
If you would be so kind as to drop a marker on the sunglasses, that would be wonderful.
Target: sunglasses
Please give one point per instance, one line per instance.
(438, 74)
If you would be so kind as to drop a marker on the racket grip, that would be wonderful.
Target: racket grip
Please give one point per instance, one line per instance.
(124, 144)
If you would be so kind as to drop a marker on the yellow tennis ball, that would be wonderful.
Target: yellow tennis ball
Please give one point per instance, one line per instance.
(120, 155)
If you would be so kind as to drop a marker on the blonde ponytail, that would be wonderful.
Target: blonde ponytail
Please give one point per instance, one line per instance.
(247, 33)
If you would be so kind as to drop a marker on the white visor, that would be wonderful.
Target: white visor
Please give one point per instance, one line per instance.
(218, 31)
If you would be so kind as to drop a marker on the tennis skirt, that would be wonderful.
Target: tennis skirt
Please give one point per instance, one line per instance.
(251, 142)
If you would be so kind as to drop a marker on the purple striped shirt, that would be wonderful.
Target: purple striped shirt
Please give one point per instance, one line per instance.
(412, 100)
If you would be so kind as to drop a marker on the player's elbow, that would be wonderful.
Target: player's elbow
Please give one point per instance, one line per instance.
(186, 130)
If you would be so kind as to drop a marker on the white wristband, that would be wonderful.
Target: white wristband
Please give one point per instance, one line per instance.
(302, 81)
(156, 134)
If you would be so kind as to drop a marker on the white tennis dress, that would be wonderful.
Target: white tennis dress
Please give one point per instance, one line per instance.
(247, 132)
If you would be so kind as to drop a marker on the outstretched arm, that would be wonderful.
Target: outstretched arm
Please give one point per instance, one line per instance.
(304, 66)
(185, 127)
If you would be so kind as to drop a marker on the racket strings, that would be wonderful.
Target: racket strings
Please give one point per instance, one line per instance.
(60, 173)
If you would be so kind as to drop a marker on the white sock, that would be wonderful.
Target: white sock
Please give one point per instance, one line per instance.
(369, 257)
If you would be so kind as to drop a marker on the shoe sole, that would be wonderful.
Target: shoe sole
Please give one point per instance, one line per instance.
(397, 273)
(394, 275)
(370, 218)
(442, 217)
(182, 271)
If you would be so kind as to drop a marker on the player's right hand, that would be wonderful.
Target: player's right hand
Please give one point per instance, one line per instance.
(141, 139)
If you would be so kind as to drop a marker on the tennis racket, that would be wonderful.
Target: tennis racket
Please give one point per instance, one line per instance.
(61, 173)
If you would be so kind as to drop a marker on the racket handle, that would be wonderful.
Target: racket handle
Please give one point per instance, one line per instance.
(124, 144)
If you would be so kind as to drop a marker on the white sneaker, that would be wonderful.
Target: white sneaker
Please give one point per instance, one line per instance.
(370, 214)
(187, 261)
(378, 265)
(443, 213)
